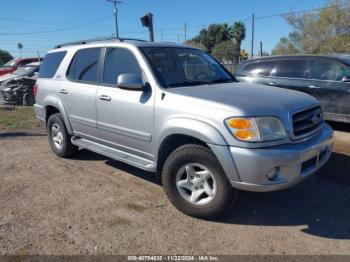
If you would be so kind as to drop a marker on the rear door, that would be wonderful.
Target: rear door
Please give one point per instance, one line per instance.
(290, 73)
(125, 117)
(78, 94)
(325, 83)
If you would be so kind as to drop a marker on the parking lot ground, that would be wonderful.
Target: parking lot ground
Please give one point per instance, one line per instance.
(90, 204)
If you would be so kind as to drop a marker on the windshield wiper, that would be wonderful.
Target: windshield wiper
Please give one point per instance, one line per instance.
(222, 80)
(189, 83)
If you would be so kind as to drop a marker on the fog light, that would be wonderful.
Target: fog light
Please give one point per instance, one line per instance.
(271, 174)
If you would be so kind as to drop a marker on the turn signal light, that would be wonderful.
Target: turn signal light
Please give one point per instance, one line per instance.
(239, 123)
(245, 134)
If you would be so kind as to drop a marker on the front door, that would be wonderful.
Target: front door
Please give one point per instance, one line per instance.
(125, 117)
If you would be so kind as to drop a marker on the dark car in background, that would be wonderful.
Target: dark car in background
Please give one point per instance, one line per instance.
(325, 77)
(12, 65)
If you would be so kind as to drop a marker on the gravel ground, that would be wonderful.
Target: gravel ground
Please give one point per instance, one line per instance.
(93, 205)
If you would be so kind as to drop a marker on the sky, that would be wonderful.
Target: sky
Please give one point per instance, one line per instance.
(41, 24)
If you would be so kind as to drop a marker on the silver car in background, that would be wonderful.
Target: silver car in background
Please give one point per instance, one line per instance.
(176, 111)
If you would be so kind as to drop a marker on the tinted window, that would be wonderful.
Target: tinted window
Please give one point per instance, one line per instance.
(328, 70)
(262, 68)
(84, 66)
(119, 61)
(291, 68)
(50, 64)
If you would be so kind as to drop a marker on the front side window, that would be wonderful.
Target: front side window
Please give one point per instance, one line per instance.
(328, 70)
(50, 64)
(119, 61)
(177, 67)
(259, 68)
(84, 66)
(293, 68)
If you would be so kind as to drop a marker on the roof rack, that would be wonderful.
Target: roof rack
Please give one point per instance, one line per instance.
(101, 39)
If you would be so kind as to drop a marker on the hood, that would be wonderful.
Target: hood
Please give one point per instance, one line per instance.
(246, 99)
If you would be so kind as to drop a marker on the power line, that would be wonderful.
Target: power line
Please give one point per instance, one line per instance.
(60, 29)
(303, 11)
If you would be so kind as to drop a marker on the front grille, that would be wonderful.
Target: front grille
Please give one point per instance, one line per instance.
(307, 121)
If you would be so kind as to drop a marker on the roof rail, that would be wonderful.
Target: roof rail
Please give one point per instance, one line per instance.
(101, 39)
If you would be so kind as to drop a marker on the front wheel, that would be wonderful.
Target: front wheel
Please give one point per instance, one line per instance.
(195, 183)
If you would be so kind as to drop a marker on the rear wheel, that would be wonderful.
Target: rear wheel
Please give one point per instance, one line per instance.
(59, 139)
(195, 182)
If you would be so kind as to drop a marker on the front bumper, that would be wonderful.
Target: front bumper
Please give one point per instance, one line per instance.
(292, 163)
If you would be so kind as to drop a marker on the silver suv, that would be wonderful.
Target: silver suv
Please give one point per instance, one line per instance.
(176, 111)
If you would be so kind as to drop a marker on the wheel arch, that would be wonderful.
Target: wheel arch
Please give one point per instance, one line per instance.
(178, 132)
(53, 105)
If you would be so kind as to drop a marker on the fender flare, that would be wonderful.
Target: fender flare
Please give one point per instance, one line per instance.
(55, 102)
(206, 133)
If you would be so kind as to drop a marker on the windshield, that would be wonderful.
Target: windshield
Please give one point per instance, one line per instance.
(177, 67)
(25, 70)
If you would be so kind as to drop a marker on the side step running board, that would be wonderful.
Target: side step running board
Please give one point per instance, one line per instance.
(116, 154)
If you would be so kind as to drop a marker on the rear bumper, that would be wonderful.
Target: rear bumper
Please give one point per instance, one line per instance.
(290, 163)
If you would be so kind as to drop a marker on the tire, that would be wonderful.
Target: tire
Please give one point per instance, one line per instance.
(59, 139)
(179, 168)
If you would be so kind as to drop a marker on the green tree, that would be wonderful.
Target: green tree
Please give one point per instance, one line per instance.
(196, 44)
(216, 33)
(286, 46)
(226, 51)
(238, 33)
(4, 57)
(327, 31)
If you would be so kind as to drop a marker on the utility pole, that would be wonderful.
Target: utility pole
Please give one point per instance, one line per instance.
(161, 34)
(185, 32)
(115, 2)
(253, 25)
(261, 52)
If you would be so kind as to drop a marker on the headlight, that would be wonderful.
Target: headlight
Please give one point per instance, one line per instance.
(256, 129)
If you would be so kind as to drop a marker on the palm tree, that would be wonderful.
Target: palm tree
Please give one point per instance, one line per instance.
(238, 33)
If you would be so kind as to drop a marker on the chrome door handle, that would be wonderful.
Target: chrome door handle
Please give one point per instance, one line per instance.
(271, 83)
(64, 91)
(314, 86)
(105, 98)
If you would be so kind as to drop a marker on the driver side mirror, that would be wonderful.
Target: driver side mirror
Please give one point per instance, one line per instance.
(346, 79)
(130, 82)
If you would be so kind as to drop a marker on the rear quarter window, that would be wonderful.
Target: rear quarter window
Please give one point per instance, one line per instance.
(261, 68)
(50, 64)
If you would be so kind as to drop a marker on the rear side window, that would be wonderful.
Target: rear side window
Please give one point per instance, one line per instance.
(261, 68)
(50, 64)
(84, 66)
(328, 70)
(119, 61)
(291, 68)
